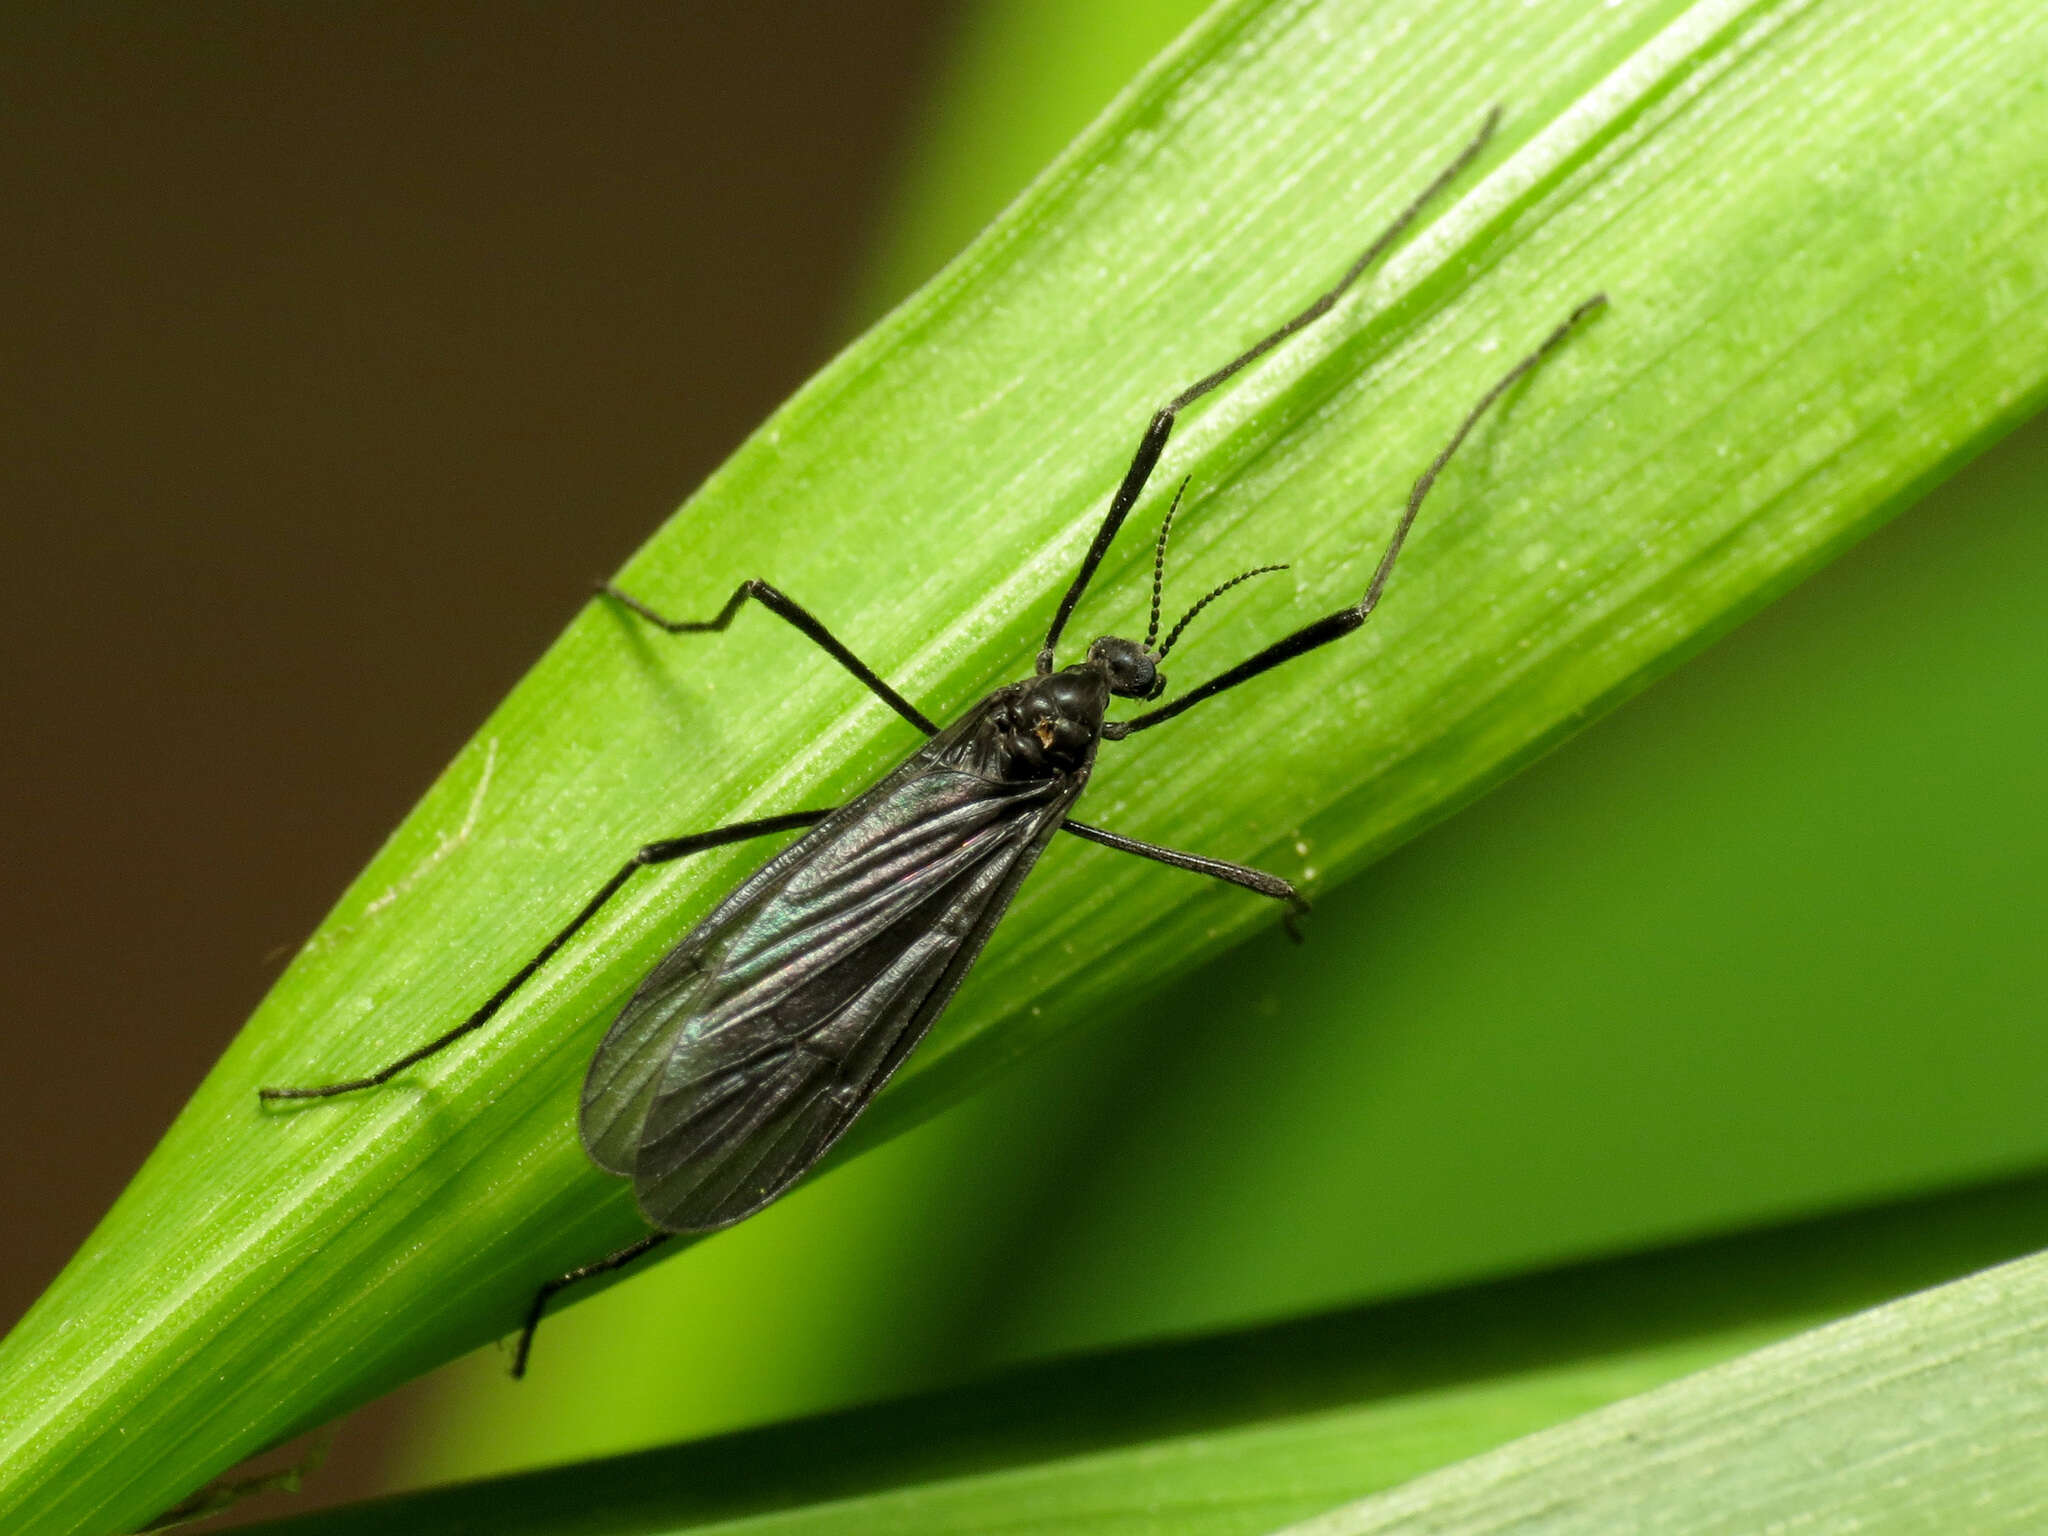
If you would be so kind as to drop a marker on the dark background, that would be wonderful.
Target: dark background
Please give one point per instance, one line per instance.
(342, 348)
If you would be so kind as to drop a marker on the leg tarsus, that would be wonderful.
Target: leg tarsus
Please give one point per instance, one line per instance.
(618, 1259)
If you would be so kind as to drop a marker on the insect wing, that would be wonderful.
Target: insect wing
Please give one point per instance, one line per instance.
(756, 1042)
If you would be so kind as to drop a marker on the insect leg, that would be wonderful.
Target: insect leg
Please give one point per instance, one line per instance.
(227, 1490)
(1153, 443)
(1336, 625)
(603, 1266)
(1221, 869)
(653, 853)
(787, 608)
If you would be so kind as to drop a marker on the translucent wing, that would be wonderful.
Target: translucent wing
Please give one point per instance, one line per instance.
(751, 1048)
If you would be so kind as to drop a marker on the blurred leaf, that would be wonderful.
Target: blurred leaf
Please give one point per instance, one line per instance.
(1826, 296)
(1922, 1415)
(1235, 1434)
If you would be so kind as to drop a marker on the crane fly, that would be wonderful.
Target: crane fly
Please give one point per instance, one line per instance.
(754, 1044)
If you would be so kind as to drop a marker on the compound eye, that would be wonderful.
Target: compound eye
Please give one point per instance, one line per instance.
(1130, 668)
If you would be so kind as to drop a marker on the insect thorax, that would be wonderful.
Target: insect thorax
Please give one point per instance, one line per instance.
(1040, 728)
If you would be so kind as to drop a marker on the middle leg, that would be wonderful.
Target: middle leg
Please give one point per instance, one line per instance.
(1217, 869)
(653, 853)
(799, 618)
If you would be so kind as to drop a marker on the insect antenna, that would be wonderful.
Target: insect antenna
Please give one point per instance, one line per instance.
(1174, 634)
(1153, 443)
(1159, 563)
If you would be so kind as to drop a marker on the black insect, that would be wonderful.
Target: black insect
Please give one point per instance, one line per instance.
(761, 1036)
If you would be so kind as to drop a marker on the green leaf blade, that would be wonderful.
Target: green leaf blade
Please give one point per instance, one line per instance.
(1922, 1415)
(1797, 344)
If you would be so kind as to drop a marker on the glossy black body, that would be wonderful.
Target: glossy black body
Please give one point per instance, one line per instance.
(751, 1048)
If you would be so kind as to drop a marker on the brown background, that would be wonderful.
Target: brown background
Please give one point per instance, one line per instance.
(342, 347)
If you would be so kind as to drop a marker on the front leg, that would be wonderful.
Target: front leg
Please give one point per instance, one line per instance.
(1220, 869)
